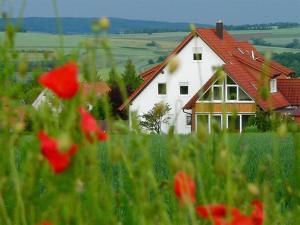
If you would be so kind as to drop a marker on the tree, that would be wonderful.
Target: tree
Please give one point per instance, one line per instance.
(155, 117)
(113, 77)
(131, 79)
(294, 44)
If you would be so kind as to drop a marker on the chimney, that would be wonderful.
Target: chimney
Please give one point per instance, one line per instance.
(219, 29)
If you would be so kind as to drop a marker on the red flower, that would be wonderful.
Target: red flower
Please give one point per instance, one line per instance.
(219, 214)
(62, 81)
(90, 127)
(205, 211)
(184, 187)
(258, 212)
(59, 161)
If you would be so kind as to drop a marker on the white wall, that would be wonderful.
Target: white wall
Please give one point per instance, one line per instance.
(195, 73)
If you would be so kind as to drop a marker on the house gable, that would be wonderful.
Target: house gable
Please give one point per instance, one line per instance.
(189, 44)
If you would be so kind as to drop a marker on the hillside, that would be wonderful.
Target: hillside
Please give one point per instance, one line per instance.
(127, 26)
(83, 25)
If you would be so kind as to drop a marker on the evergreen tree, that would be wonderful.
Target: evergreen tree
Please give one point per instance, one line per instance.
(131, 79)
(113, 77)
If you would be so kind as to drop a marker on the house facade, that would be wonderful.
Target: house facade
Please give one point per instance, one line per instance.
(199, 96)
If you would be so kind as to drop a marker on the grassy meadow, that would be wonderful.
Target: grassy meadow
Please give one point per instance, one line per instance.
(129, 179)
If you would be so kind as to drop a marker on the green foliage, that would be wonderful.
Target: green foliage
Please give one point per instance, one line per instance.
(294, 44)
(270, 121)
(131, 79)
(151, 61)
(153, 44)
(291, 60)
(260, 41)
(155, 117)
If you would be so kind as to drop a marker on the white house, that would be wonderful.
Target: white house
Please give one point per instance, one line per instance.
(199, 54)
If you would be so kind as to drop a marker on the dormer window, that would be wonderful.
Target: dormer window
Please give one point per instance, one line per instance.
(197, 53)
(273, 85)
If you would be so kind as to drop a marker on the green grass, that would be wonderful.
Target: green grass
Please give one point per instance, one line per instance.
(132, 175)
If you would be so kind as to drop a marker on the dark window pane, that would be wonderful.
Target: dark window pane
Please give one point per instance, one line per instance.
(245, 120)
(243, 96)
(184, 90)
(206, 96)
(230, 81)
(217, 93)
(162, 89)
(202, 122)
(216, 122)
(234, 123)
(231, 93)
(197, 56)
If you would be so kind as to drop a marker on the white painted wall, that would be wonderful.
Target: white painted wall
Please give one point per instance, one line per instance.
(195, 73)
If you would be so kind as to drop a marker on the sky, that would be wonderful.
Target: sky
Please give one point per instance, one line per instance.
(193, 11)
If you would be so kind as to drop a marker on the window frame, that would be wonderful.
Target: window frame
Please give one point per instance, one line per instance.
(184, 84)
(273, 85)
(213, 92)
(161, 83)
(224, 120)
(196, 51)
(225, 96)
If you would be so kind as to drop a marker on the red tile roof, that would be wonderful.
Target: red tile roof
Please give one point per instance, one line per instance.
(290, 88)
(145, 75)
(237, 56)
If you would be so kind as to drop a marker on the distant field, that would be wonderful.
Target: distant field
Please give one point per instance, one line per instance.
(134, 46)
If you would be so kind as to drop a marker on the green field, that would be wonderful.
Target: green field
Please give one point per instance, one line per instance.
(134, 46)
(129, 179)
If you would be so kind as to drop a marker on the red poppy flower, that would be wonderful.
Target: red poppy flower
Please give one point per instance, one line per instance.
(62, 81)
(90, 127)
(205, 211)
(218, 214)
(59, 161)
(184, 187)
(258, 212)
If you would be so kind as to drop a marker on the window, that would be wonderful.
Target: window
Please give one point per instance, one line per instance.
(232, 93)
(197, 53)
(245, 120)
(217, 93)
(229, 81)
(273, 85)
(216, 122)
(229, 89)
(162, 88)
(188, 119)
(233, 123)
(206, 96)
(243, 96)
(184, 88)
(197, 56)
(203, 122)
